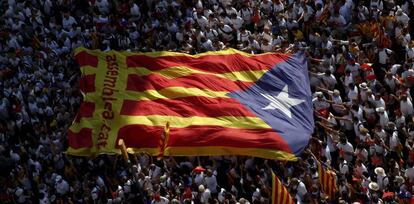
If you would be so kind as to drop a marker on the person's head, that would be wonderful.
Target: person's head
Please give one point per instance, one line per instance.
(319, 6)
(157, 197)
(319, 95)
(369, 93)
(336, 93)
(380, 110)
(389, 75)
(201, 188)
(364, 131)
(404, 97)
(355, 119)
(294, 182)
(209, 173)
(251, 37)
(221, 24)
(343, 140)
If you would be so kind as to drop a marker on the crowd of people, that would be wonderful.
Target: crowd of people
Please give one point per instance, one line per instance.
(361, 72)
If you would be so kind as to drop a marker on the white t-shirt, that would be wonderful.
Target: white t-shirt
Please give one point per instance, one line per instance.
(154, 174)
(205, 196)
(199, 178)
(353, 94)
(226, 32)
(394, 141)
(360, 169)
(211, 183)
(404, 19)
(62, 187)
(103, 6)
(348, 149)
(67, 23)
(266, 48)
(202, 22)
(383, 55)
(330, 81)
(383, 119)
(135, 10)
(344, 168)
(301, 191)
(163, 200)
(237, 23)
(406, 107)
(319, 105)
(410, 174)
(361, 154)
(382, 181)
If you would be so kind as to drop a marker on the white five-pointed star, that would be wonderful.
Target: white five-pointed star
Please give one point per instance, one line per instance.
(282, 102)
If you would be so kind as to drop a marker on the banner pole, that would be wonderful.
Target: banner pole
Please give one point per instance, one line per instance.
(124, 152)
(164, 140)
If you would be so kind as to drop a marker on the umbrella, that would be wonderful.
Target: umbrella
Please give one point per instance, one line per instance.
(371, 77)
(387, 194)
(366, 66)
(199, 169)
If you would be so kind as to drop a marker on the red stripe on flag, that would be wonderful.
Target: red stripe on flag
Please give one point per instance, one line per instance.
(231, 137)
(277, 191)
(285, 195)
(148, 136)
(87, 83)
(85, 59)
(187, 107)
(140, 136)
(81, 139)
(211, 63)
(282, 193)
(86, 110)
(201, 81)
(328, 181)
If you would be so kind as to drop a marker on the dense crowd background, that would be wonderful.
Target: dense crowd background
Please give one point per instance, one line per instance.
(361, 78)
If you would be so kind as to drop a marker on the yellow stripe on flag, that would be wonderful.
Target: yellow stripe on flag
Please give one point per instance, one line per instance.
(181, 122)
(219, 151)
(166, 93)
(327, 180)
(178, 54)
(280, 195)
(167, 53)
(88, 70)
(274, 188)
(181, 71)
(172, 93)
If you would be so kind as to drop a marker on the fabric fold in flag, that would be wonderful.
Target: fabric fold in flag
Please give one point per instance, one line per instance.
(280, 195)
(327, 179)
(216, 103)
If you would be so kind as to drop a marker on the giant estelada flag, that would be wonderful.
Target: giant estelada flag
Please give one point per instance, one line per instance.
(216, 103)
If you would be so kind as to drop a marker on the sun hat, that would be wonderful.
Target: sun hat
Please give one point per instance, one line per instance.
(380, 110)
(380, 171)
(400, 180)
(363, 86)
(373, 186)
